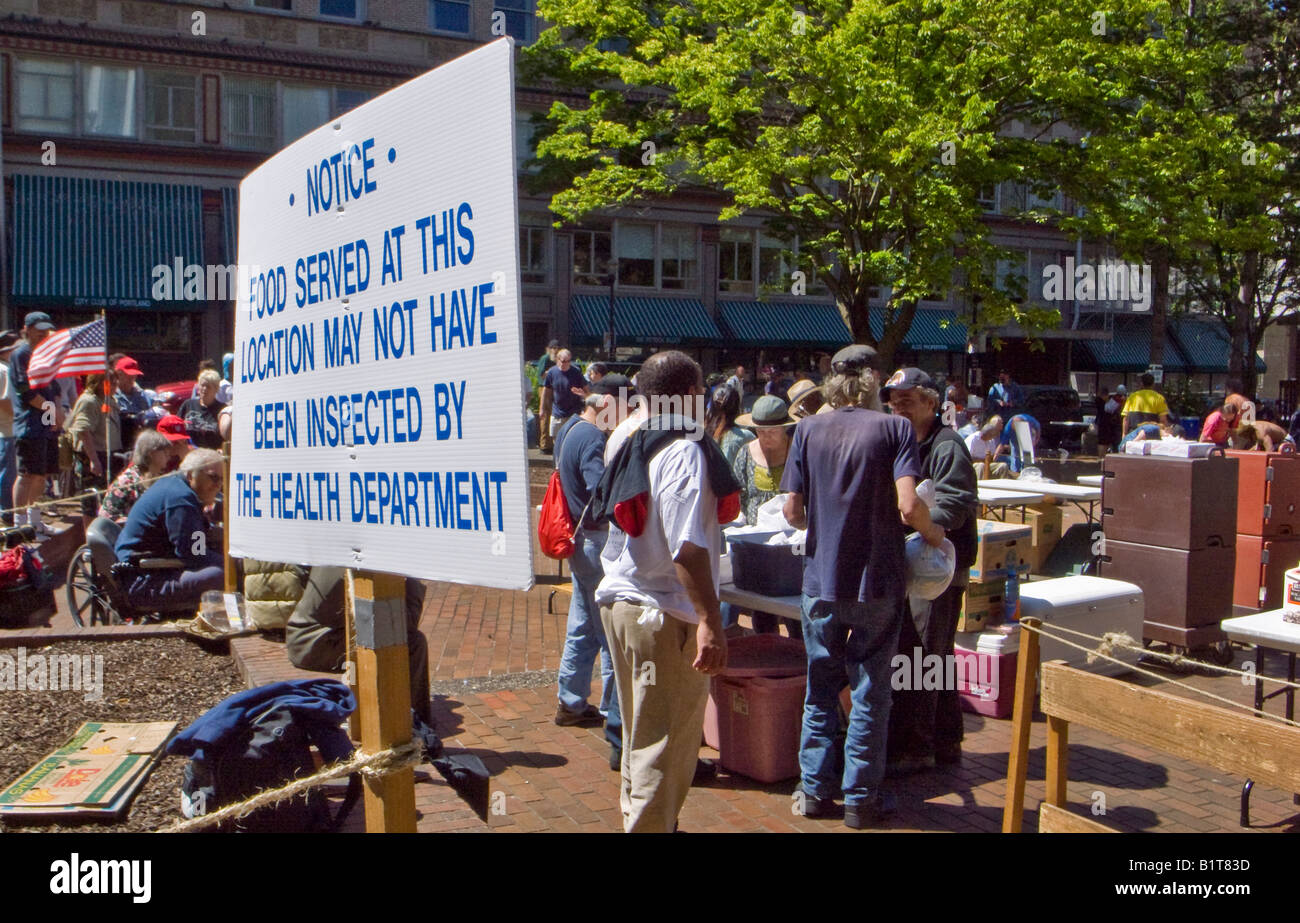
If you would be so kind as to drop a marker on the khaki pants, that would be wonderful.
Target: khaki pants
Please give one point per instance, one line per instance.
(662, 699)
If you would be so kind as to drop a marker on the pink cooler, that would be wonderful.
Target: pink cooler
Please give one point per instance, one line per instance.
(988, 684)
(759, 718)
(770, 656)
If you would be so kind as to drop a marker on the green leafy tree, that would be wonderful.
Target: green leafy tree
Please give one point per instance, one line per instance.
(865, 129)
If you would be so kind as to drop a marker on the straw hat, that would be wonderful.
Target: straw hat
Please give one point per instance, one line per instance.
(799, 390)
(769, 410)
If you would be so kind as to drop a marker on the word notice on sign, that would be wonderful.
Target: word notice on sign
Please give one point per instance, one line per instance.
(378, 420)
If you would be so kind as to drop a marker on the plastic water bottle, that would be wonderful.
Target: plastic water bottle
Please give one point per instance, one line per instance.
(1011, 594)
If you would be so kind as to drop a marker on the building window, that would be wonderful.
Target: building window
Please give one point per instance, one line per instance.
(305, 109)
(525, 149)
(341, 9)
(591, 253)
(449, 16)
(273, 4)
(678, 264)
(518, 16)
(534, 255)
(987, 197)
(170, 107)
(347, 100)
(250, 114)
(636, 254)
(45, 96)
(108, 95)
(736, 260)
(1011, 198)
(773, 271)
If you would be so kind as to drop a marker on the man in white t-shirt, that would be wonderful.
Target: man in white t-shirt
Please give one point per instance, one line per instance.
(659, 606)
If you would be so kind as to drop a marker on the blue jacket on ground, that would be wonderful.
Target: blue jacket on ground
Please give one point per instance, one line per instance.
(315, 701)
(163, 524)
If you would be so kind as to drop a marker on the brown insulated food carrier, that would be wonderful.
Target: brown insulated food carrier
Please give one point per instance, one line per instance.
(1187, 593)
(1262, 564)
(1268, 493)
(1182, 503)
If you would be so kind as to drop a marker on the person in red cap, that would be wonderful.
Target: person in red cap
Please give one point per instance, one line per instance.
(134, 404)
(173, 427)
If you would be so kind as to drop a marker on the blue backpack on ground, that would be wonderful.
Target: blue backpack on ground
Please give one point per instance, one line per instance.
(261, 739)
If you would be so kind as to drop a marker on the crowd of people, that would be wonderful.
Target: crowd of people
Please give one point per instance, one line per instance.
(113, 424)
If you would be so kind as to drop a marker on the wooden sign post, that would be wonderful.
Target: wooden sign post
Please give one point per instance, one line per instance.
(1022, 719)
(232, 584)
(384, 695)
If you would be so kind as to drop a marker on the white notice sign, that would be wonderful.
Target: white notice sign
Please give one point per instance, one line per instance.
(378, 409)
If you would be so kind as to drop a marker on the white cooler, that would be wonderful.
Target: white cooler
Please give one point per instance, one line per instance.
(1091, 604)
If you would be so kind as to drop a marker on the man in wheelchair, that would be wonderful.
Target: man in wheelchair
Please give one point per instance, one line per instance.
(168, 522)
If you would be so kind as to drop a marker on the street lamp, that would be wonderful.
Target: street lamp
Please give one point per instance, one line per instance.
(611, 268)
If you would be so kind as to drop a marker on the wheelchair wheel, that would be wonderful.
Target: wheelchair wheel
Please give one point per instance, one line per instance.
(87, 603)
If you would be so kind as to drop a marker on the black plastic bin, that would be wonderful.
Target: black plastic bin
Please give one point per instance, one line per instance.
(773, 570)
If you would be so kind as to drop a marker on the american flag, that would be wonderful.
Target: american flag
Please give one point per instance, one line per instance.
(65, 353)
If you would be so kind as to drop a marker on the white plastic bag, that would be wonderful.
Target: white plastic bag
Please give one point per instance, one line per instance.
(928, 569)
(771, 515)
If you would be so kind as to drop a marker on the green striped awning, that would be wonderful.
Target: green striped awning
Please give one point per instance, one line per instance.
(1129, 350)
(94, 243)
(1205, 341)
(784, 323)
(932, 330)
(641, 321)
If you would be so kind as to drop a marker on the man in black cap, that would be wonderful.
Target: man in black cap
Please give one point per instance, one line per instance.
(579, 458)
(37, 418)
(8, 464)
(925, 724)
(850, 474)
(545, 441)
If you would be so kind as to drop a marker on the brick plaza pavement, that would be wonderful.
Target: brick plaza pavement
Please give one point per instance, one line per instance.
(492, 660)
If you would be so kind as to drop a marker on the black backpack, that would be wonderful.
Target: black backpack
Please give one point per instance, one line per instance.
(274, 749)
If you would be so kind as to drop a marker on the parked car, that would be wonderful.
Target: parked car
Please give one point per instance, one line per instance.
(174, 393)
(1052, 404)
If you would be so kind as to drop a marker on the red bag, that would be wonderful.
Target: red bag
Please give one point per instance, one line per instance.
(17, 565)
(555, 528)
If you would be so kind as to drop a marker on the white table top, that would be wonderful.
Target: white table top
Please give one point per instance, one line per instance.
(1091, 480)
(1067, 491)
(1265, 629)
(991, 496)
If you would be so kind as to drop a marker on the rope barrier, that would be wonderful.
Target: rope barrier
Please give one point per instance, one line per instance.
(1112, 639)
(59, 501)
(370, 765)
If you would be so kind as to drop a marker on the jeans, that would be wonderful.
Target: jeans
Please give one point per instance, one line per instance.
(8, 475)
(586, 638)
(927, 722)
(850, 641)
(169, 590)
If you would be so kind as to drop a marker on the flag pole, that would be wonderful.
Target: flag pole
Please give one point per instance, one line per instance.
(108, 410)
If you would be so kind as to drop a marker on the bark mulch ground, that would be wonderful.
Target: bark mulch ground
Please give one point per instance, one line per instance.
(147, 679)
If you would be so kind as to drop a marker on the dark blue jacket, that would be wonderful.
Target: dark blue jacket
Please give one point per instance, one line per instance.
(163, 524)
(314, 701)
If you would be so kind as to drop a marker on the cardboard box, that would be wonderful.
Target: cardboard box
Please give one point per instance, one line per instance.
(1001, 545)
(981, 605)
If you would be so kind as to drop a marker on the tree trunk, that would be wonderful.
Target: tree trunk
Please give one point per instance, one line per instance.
(857, 315)
(1159, 305)
(1241, 361)
(891, 338)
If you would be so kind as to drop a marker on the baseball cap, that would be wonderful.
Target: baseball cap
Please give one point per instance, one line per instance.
(7, 339)
(905, 380)
(613, 383)
(854, 358)
(129, 366)
(173, 427)
(38, 320)
(554, 344)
